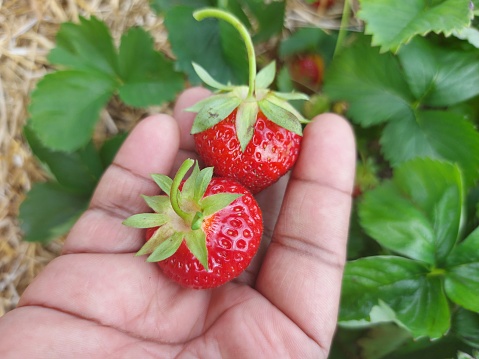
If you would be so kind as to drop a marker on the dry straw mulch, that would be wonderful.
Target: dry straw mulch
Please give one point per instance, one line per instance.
(27, 33)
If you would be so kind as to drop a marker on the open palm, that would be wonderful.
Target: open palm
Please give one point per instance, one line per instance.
(98, 300)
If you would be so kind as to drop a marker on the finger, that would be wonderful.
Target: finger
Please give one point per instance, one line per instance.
(150, 148)
(185, 119)
(302, 270)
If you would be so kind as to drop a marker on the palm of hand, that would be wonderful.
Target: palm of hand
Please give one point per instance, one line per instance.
(98, 300)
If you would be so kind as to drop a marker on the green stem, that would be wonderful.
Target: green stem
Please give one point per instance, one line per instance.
(343, 27)
(175, 192)
(223, 15)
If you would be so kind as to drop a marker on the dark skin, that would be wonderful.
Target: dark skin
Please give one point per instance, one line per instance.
(97, 300)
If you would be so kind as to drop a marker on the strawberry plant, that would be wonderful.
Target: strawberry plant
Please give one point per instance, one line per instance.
(408, 82)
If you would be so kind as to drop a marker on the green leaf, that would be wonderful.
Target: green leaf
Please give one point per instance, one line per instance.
(65, 107)
(245, 120)
(78, 171)
(268, 17)
(207, 79)
(302, 40)
(282, 114)
(217, 202)
(462, 273)
(146, 220)
(220, 107)
(465, 325)
(49, 211)
(371, 83)
(148, 78)
(159, 204)
(165, 5)
(85, 46)
(436, 134)
(161, 235)
(382, 340)
(417, 214)
(202, 182)
(394, 22)
(202, 43)
(440, 76)
(402, 284)
(196, 243)
(167, 248)
(469, 34)
(265, 77)
(164, 182)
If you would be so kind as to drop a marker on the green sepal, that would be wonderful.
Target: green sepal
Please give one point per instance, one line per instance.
(289, 96)
(161, 234)
(265, 77)
(202, 182)
(245, 120)
(281, 115)
(218, 108)
(146, 220)
(188, 190)
(196, 243)
(159, 204)
(216, 202)
(207, 79)
(163, 181)
(167, 248)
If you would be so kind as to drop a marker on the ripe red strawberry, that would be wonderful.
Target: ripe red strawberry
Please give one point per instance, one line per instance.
(204, 235)
(268, 156)
(308, 70)
(248, 133)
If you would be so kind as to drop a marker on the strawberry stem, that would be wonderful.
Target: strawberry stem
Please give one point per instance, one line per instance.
(175, 192)
(231, 19)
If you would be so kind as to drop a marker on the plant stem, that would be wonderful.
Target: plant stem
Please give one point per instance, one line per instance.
(175, 192)
(343, 27)
(231, 19)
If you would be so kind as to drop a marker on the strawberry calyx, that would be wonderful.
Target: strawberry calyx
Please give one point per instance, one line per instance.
(179, 213)
(247, 100)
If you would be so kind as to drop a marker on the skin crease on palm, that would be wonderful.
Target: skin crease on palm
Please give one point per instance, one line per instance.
(98, 300)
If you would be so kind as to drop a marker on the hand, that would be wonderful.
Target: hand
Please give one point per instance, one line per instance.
(98, 300)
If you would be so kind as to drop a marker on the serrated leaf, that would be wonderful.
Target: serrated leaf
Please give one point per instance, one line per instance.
(148, 77)
(202, 43)
(216, 202)
(146, 220)
(265, 77)
(394, 22)
(159, 204)
(49, 211)
(161, 234)
(437, 134)
(167, 248)
(417, 214)
(462, 273)
(402, 284)
(469, 34)
(77, 171)
(244, 123)
(202, 182)
(65, 107)
(207, 79)
(217, 110)
(284, 117)
(371, 83)
(164, 182)
(440, 76)
(85, 46)
(196, 243)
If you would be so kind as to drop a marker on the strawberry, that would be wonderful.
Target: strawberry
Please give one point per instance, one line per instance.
(308, 70)
(204, 231)
(248, 133)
